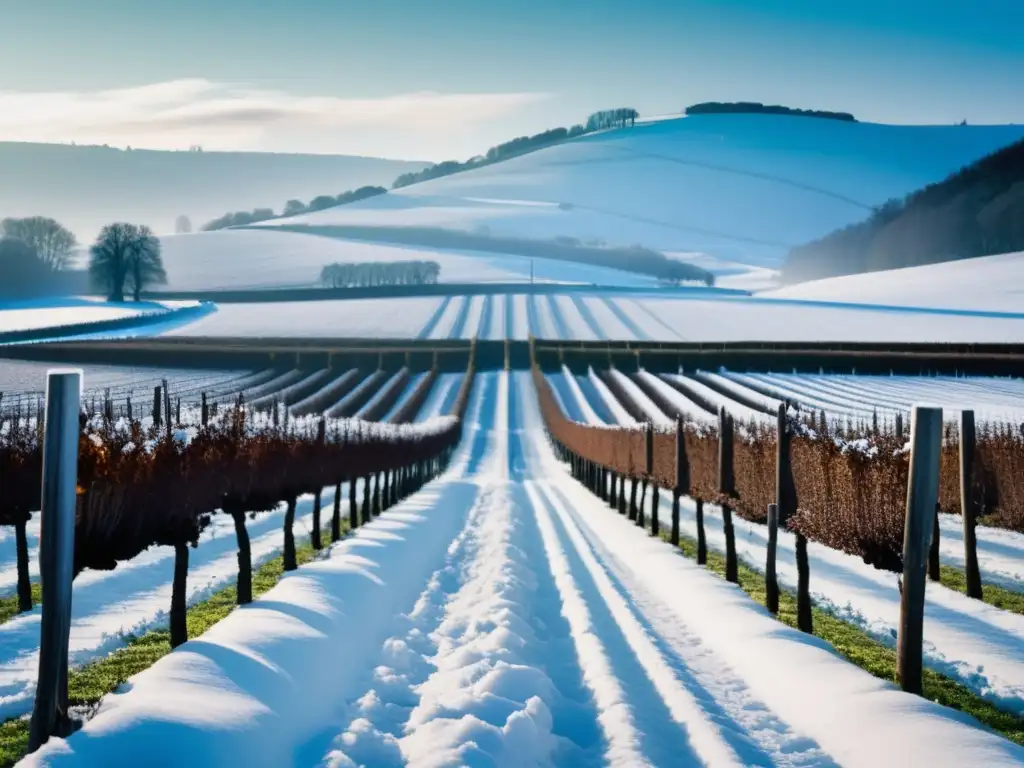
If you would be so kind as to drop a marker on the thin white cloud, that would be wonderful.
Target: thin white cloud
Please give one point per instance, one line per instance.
(176, 114)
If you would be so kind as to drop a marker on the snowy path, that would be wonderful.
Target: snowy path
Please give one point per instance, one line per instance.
(972, 642)
(505, 617)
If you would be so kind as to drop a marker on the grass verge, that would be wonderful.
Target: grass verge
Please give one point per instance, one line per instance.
(89, 683)
(857, 646)
(1005, 599)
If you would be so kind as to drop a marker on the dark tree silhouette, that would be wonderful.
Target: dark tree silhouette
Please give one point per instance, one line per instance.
(380, 273)
(22, 273)
(125, 255)
(294, 208)
(51, 242)
(145, 264)
(756, 107)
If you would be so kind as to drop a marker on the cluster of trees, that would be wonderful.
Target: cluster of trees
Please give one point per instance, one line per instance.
(380, 273)
(126, 256)
(756, 107)
(34, 253)
(291, 208)
(608, 118)
(635, 258)
(612, 118)
(977, 211)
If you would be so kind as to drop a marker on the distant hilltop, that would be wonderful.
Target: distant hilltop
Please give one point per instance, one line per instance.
(756, 107)
(85, 187)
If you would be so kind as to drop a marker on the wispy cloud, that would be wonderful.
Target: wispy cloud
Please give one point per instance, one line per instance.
(175, 114)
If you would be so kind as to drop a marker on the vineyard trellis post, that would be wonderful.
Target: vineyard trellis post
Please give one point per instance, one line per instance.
(56, 551)
(771, 583)
(204, 414)
(725, 488)
(655, 500)
(157, 399)
(922, 495)
(967, 509)
(682, 481)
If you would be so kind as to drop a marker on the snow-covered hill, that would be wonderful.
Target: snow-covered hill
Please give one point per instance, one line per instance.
(738, 187)
(989, 283)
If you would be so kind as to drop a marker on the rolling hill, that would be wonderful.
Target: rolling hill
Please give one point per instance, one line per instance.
(86, 187)
(741, 188)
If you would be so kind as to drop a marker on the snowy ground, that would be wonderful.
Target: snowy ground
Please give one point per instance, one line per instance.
(677, 184)
(590, 316)
(505, 617)
(108, 606)
(991, 399)
(264, 258)
(991, 284)
(47, 314)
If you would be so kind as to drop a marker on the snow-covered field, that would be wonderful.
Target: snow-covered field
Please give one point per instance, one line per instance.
(47, 314)
(602, 315)
(264, 258)
(504, 616)
(987, 284)
(678, 184)
(991, 399)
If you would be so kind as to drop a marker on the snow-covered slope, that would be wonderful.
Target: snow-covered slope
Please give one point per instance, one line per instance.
(989, 283)
(738, 187)
(239, 259)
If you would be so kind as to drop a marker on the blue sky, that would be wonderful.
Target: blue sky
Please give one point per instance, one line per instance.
(430, 80)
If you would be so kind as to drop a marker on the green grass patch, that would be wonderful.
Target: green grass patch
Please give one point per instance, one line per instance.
(1004, 599)
(9, 604)
(91, 682)
(857, 646)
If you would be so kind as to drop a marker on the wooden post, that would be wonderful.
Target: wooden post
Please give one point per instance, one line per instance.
(725, 487)
(204, 411)
(290, 563)
(56, 552)
(366, 500)
(632, 500)
(611, 491)
(129, 407)
(655, 501)
(336, 515)
(157, 400)
(967, 509)
(934, 562)
(640, 521)
(922, 495)
(702, 541)
(682, 484)
(353, 510)
(771, 584)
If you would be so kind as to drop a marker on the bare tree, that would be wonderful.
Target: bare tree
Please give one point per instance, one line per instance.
(145, 264)
(125, 255)
(51, 242)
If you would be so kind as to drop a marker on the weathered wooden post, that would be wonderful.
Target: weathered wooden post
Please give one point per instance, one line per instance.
(934, 562)
(353, 510)
(204, 411)
(725, 488)
(56, 551)
(771, 583)
(336, 514)
(702, 539)
(682, 484)
(922, 495)
(129, 409)
(157, 400)
(612, 502)
(967, 509)
(632, 499)
(167, 408)
(655, 500)
(785, 499)
(366, 500)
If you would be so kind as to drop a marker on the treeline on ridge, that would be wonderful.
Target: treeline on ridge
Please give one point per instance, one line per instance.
(343, 275)
(977, 211)
(634, 258)
(607, 118)
(291, 208)
(756, 107)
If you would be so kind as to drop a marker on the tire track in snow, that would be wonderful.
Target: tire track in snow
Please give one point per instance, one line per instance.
(435, 318)
(459, 326)
(588, 318)
(738, 729)
(561, 327)
(625, 319)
